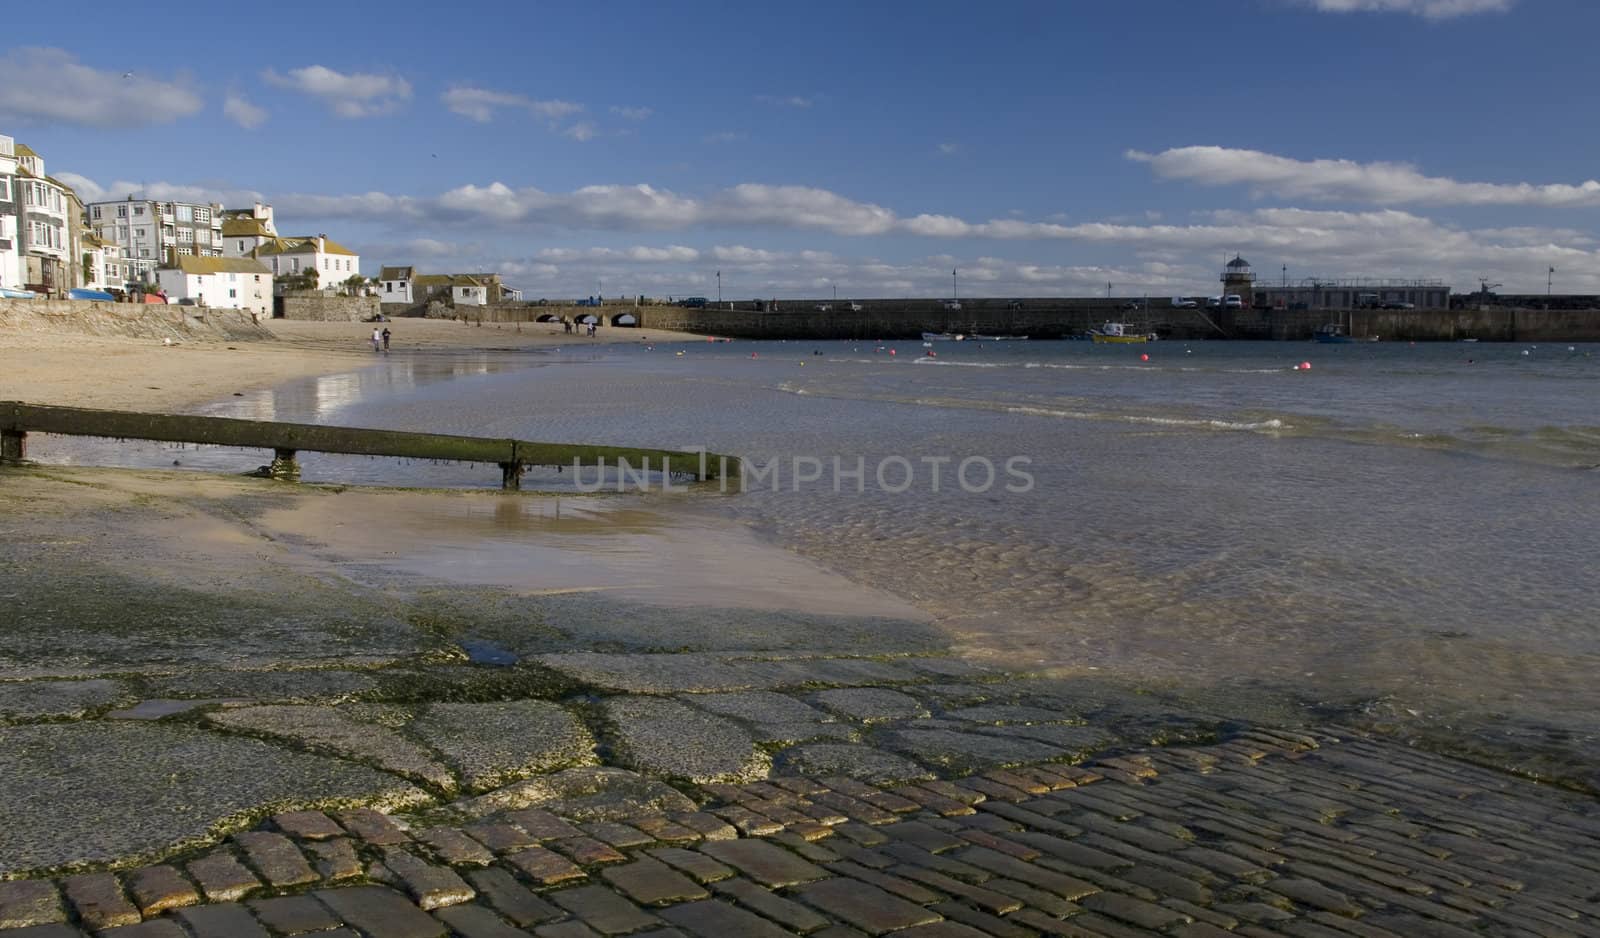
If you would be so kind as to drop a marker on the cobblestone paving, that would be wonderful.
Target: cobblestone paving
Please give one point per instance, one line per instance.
(1327, 835)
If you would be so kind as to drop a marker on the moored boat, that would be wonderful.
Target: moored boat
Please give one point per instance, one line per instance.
(944, 337)
(1331, 334)
(1117, 332)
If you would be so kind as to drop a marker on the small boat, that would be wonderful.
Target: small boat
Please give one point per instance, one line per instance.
(10, 294)
(1469, 340)
(1331, 334)
(1117, 332)
(997, 338)
(86, 294)
(944, 337)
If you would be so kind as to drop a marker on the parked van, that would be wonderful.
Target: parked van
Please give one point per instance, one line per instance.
(1233, 301)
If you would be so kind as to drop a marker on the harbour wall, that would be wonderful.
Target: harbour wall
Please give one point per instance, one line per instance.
(910, 319)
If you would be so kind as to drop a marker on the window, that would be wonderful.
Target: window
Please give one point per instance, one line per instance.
(232, 293)
(241, 247)
(137, 210)
(96, 208)
(144, 252)
(140, 232)
(185, 235)
(388, 287)
(5, 190)
(122, 211)
(202, 216)
(185, 213)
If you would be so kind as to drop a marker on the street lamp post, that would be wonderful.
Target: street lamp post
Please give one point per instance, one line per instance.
(719, 288)
(955, 294)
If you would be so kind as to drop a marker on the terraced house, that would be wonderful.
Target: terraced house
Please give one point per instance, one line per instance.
(10, 259)
(332, 262)
(47, 227)
(151, 232)
(245, 229)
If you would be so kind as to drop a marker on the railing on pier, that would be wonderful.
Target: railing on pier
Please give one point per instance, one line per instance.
(18, 419)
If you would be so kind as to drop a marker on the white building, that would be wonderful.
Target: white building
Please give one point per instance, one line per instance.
(10, 252)
(47, 227)
(245, 229)
(394, 284)
(287, 257)
(107, 269)
(219, 282)
(151, 232)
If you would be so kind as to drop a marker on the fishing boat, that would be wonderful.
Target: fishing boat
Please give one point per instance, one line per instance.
(1332, 334)
(1117, 332)
(997, 338)
(944, 337)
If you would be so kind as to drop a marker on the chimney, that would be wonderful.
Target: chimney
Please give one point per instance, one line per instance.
(322, 242)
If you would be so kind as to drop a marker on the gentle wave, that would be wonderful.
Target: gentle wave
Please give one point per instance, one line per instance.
(1198, 422)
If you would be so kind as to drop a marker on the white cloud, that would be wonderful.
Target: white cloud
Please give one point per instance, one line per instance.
(724, 136)
(47, 85)
(238, 109)
(358, 94)
(793, 100)
(1347, 180)
(949, 148)
(1428, 9)
(583, 132)
(632, 113)
(479, 104)
(91, 191)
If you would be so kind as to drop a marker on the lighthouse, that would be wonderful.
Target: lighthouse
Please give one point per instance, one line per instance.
(1238, 278)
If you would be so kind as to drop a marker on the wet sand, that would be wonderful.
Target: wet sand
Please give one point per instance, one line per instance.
(135, 374)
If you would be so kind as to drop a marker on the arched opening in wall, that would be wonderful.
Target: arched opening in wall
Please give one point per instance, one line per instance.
(548, 317)
(588, 318)
(625, 319)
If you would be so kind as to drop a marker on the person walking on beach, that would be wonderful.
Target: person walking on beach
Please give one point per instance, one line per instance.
(386, 338)
(377, 340)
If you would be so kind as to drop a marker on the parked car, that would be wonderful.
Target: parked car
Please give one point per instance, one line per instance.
(1398, 304)
(952, 304)
(854, 307)
(1233, 301)
(694, 302)
(1131, 306)
(824, 308)
(1179, 302)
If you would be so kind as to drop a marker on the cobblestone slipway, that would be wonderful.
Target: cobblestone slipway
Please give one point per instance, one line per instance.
(1329, 834)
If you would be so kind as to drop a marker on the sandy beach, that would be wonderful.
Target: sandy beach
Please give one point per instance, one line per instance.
(143, 374)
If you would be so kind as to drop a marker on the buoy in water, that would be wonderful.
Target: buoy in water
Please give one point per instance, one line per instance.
(1303, 366)
(1524, 351)
(1144, 357)
(891, 351)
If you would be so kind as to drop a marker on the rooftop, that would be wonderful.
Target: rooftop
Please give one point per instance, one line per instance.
(219, 265)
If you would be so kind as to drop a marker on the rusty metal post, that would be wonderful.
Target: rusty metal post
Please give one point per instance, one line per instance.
(284, 468)
(511, 475)
(13, 445)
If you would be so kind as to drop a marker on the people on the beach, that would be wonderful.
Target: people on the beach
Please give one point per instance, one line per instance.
(386, 338)
(377, 340)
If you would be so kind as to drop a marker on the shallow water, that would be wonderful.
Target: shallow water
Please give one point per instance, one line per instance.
(1404, 522)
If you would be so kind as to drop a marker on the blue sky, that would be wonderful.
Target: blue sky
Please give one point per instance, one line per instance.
(1040, 148)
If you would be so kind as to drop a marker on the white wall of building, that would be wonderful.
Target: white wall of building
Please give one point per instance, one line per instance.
(226, 290)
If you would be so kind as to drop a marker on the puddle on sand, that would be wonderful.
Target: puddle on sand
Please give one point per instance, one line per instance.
(656, 553)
